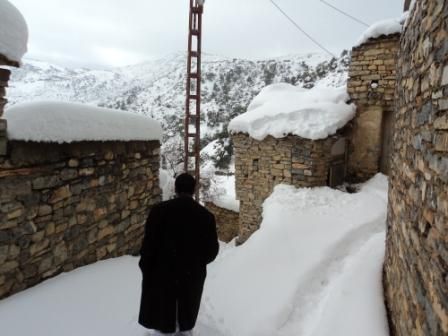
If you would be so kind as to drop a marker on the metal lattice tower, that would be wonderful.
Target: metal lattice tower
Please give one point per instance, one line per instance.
(193, 96)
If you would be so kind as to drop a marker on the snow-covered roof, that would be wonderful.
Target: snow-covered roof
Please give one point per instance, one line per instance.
(67, 122)
(382, 28)
(282, 109)
(13, 33)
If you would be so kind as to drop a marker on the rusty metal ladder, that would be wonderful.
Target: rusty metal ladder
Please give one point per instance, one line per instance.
(193, 97)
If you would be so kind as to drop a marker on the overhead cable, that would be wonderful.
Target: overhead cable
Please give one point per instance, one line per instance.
(345, 13)
(302, 30)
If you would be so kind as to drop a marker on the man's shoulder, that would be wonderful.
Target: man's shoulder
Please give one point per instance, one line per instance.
(179, 202)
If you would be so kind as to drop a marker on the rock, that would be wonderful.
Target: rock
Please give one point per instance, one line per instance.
(46, 182)
(107, 231)
(44, 210)
(60, 194)
(73, 163)
(39, 247)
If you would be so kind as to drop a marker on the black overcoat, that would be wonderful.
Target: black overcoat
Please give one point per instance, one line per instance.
(180, 240)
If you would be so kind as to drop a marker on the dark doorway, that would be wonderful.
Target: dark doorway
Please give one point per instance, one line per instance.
(387, 134)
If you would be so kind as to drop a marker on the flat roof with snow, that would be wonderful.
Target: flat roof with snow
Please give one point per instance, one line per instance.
(67, 122)
(283, 109)
(13, 33)
(382, 28)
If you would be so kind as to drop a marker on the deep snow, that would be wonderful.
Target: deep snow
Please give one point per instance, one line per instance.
(69, 122)
(13, 32)
(383, 27)
(313, 269)
(282, 109)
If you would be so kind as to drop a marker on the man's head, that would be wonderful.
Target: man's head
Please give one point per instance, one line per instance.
(185, 184)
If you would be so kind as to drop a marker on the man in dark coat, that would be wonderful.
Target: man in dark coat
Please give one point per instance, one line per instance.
(180, 240)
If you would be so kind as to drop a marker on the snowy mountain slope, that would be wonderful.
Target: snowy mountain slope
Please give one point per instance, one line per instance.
(157, 88)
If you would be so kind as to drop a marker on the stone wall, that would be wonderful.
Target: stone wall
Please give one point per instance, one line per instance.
(65, 206)
(416, 267)
(227, 222)
(261, 165)
(371, 86)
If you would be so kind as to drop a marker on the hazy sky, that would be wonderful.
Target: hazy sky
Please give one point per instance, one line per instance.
(106, 33)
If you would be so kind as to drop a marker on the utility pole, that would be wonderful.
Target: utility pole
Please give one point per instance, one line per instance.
(193, 97)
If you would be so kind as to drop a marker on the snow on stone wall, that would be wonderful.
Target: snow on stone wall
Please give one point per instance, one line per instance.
(13, 32)
(67, 122)
(380, 28)
(283, 109)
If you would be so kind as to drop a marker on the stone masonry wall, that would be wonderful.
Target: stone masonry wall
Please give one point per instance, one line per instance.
(416, 267)
(261, 165)
(65, 206)
(227, 222)
(371, 86)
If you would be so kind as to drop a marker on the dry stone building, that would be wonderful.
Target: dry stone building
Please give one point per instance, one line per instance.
(416, 266)
(371, 85)
(292, 148)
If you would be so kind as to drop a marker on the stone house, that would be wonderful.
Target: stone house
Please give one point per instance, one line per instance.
(316, 157)
(353, 152)
(416, 265)
(371, 86)
(70, 193)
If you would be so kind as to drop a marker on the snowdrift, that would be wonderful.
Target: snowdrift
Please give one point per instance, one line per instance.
(282, 109)
(313, 269)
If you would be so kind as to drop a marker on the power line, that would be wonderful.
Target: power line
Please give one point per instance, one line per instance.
(302, 30)
(344, 13)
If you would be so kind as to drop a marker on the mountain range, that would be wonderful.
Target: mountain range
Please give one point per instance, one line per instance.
(157, 89)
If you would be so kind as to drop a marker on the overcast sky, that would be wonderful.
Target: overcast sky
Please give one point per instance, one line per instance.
(105, 33)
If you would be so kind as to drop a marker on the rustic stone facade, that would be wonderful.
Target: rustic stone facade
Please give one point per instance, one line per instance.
(227, 222)
(416, 266)
(65, 206)
(371, 86)
(261, 165)
(4, 78)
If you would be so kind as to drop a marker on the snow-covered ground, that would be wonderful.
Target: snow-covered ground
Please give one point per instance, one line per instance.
(313, 269)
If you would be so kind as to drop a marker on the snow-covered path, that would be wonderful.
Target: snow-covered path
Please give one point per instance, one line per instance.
(313, 269)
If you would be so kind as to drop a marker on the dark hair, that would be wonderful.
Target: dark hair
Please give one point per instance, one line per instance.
(185, 184)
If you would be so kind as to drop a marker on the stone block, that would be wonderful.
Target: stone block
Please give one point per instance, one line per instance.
(3, 146)
(441, 142)
(3, 127)
(60, 194)
(445, 76)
